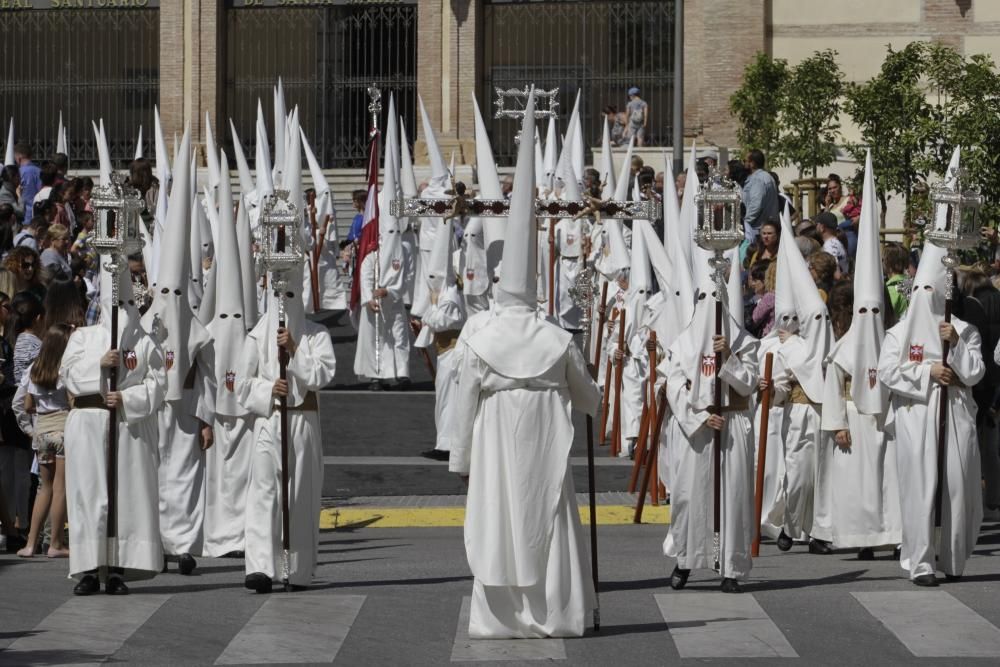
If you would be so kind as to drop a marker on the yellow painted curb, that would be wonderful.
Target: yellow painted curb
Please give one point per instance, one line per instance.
(430, 517)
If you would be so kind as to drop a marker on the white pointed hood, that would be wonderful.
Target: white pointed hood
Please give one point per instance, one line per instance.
(103, 156)
(212, 156)
(489, 188)
(607, 164)
(280, 137)
(9, 154)
(640, 271)
(805, 353)
(161, 155)
(440, 272)
(688, 216)
(551, 152)
(61, 146)
(262, 159)
(440, 180)
(918, 335)
(242, 167)
(228, 327)
(624, 174)
(248, 275)
(519, 342)
(138, 146)
(407, 179)
(857, 351)
(539, 163)
(293, 179)
(129, 325)
(574, 136)
(170, 318)
(390, 233)
(324, 198)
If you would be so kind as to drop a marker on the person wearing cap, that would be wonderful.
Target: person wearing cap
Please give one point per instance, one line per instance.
(828, 229)
(638, 117)
(521, 377)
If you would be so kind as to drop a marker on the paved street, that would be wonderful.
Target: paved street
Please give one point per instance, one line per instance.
(388, 592)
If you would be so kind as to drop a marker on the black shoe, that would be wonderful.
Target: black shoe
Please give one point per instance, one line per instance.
(375, 386)
(953, 577)
(819, 547)
(186, 564)
(436, 454)
(115, 585)
(896, 553)
(784, 542)
(164, 570)
(925, 580)
(731, 586)
(866, 553)
(402, 384)
(234, 554)
(258, 581)
(88, 585)
(679, 578)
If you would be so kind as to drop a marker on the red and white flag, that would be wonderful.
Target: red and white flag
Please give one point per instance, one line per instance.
(368, 240)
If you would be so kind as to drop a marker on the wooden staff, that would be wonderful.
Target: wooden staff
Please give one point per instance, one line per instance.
(640, 447)
(942, 430)
(654, 487)
(717, 443)
(313, 256)
(616, 421)
(605, 403)
(283, 426)
(601, 315)
(552, 267)
(661, 411)
(765, 413)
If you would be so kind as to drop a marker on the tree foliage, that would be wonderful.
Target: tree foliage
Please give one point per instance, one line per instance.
(897, 121)
(810, 112)
(757, 104)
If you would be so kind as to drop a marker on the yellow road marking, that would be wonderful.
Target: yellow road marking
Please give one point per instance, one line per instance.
(428, 517)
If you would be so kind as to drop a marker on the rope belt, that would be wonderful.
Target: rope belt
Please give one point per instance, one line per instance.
(445, 340)
(798, 395)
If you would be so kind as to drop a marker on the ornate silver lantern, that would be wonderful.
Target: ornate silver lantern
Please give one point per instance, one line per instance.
(280, 248)
(116, 232)
(956, 221)
(719, 225)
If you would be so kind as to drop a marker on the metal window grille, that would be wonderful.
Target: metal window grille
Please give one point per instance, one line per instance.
(326, 56)
(599, 48)
(89, 64)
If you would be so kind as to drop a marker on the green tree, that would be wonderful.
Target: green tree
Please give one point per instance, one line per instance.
(809, 112)
(898, 122)
(757, 103)
(968, 96)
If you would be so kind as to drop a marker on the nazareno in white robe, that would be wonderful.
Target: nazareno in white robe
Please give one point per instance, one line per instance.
(309, 370)
(864, 494)
(774, 460)
(523, 537)
(915, 400)
(137, 548)
(446, 316)
(691, 450)
(393, 324)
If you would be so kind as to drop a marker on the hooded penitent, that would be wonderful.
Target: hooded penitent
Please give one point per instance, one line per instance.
(138, 146)
(61, 144)
(920, 340)
(170, 318)
(489, 188)
(607, 165)
(242, 167)
(248, 276)
(280, 136)
(262, 160)
(390, 239)
(798, 307)
(551, 153)
(8, 158)
(162, 160)
(212, 157)
(473, 265)
(519, 342)
(228, 325)
(857, 351)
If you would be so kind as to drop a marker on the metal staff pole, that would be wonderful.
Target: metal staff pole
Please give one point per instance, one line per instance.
(375, 108)
(116, 235)
(582, 294)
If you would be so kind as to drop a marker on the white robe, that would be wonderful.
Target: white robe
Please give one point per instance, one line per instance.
(182, 461)
(568, 240)
(393, 324)
(447, 315)
(137, 547)
(523, 536)
(690, 539)
(864, 490)
(309, 370)
(227, 476)
(915, 400)
(332, 295)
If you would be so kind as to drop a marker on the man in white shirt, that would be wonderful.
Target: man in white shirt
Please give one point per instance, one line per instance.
(827, 223)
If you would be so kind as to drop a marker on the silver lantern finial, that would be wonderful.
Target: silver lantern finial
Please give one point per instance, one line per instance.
(956, 221)
(719, 226)
(116, 231)
(374, 108)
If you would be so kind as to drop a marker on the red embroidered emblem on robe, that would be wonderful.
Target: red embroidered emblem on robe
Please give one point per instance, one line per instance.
(230, 380)
(917, 353)
(872, 377)
(708, 365)
(130, 359)
(169, 359)
(470, 274)
(396, 264)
